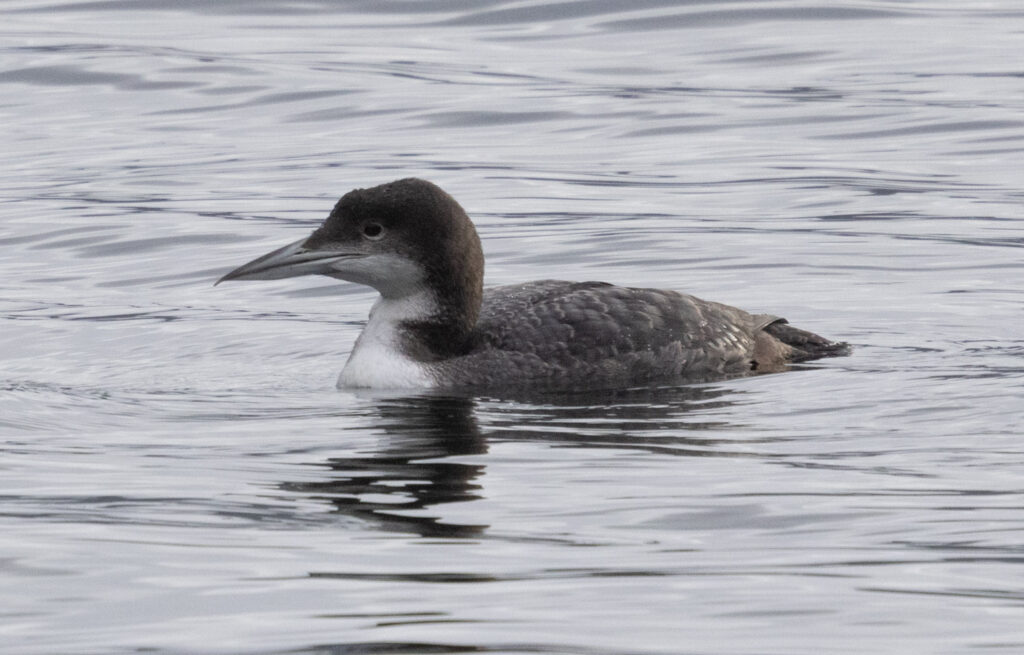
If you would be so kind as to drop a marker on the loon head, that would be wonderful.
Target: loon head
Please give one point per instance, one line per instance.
(404, 238)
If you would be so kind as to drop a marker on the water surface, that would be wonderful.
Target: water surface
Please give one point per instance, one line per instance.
(179, 475)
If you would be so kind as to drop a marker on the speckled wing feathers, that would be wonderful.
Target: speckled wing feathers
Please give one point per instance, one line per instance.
(593, 334)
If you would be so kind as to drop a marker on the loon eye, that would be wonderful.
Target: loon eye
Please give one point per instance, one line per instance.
(373, 231)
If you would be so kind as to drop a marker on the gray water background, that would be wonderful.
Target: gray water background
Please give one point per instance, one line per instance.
(179, 475)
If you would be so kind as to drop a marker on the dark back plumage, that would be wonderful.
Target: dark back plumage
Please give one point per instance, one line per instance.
(592, 334)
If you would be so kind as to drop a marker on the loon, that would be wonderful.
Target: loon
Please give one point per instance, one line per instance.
(435, 326)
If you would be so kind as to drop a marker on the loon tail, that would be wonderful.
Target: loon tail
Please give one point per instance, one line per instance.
(806, 345)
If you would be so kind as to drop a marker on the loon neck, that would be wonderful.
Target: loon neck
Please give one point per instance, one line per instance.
(453, 292)
(425, 326)
(444, 331)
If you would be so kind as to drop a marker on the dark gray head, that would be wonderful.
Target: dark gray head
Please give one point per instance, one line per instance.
(401, 238)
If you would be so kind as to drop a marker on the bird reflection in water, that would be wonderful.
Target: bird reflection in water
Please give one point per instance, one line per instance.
(409, 472)
(413, 470)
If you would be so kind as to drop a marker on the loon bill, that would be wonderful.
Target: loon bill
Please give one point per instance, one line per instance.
(435, 326)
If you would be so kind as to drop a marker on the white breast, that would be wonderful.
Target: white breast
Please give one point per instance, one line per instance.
(377, 361)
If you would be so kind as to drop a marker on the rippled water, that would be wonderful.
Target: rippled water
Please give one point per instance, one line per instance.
(178, 474)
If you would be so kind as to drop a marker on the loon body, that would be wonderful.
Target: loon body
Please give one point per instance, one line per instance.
(434, 326)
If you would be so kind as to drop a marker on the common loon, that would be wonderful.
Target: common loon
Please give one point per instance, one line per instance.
(435, 326)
